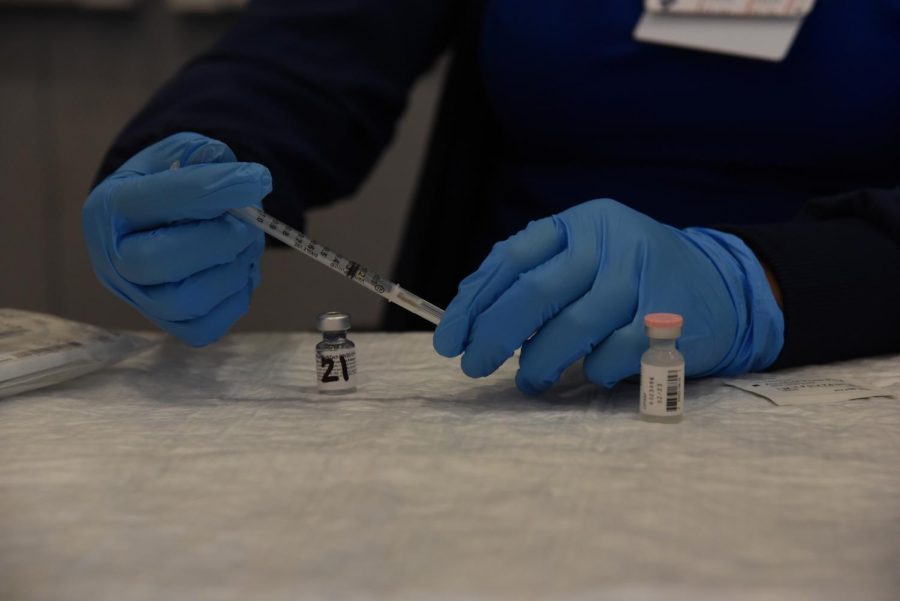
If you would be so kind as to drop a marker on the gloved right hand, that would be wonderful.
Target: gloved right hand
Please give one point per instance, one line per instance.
(161, 238)
(578, 284)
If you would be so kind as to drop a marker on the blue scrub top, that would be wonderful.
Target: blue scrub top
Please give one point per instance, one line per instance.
(313, 88)
(688, 137)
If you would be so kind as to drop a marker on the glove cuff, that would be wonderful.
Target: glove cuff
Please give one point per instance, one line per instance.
(759, 335)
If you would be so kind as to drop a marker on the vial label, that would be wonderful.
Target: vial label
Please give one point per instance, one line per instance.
(662, 390)
(336, 370)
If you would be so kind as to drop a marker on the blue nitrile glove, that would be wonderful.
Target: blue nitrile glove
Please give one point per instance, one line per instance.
(161, 240)
(582, 281)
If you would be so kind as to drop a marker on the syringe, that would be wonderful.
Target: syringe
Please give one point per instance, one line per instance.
(353, 270)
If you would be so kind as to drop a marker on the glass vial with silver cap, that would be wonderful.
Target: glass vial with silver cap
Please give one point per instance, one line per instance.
(335, 355)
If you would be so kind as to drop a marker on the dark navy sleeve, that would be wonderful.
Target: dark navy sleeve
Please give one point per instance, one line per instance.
(838, 267)
(311, 89)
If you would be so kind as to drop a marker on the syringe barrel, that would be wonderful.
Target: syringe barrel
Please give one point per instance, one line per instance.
(322, 254)
(417, 305)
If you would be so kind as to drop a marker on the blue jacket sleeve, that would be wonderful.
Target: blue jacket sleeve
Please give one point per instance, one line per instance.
(838, 267)
(310, 88)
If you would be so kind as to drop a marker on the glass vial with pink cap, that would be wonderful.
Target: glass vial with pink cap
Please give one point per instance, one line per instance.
(662, 370)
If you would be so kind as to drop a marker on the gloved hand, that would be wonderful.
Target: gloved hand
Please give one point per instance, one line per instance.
(161, 240)
(582, 281)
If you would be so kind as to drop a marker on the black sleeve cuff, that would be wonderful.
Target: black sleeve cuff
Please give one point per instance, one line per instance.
(840, 283)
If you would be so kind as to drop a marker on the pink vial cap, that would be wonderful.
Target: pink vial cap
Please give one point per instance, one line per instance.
(663, 320)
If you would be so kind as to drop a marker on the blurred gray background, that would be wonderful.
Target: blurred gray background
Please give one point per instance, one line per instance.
(70, 77)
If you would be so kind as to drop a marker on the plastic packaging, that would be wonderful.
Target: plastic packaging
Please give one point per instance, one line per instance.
(793, 390)
(38, 350)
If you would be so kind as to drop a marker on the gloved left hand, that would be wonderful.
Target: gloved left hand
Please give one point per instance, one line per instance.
(581, 282)
(162, 239)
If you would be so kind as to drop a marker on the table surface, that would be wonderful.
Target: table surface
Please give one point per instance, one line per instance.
(221, 474)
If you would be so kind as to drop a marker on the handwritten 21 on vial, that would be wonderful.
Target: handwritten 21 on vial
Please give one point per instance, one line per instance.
(335, 354)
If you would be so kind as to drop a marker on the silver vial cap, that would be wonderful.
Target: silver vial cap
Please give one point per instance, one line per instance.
(333, 321)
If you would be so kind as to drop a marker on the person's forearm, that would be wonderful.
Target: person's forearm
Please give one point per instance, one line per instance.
(312, 90)
(836, 276)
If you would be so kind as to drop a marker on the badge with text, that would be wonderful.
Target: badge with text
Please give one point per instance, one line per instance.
(740, 8)
(759, 29)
